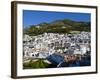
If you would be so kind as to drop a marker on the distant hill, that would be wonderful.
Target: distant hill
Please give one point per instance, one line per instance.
(58, 26)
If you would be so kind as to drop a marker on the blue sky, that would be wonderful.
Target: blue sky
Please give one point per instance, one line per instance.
(31, 17)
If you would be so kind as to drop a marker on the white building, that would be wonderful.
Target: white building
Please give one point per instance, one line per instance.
(39, 46)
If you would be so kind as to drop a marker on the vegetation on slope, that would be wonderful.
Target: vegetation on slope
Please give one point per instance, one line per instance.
(58, 26)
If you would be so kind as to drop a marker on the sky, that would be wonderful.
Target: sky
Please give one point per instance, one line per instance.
(31, 17)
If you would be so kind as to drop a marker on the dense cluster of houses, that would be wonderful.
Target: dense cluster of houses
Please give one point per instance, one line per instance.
(44, 45)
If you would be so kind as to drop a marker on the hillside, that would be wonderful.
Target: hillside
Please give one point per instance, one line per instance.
(58, 26)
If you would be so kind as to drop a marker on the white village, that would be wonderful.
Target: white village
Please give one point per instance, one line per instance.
(44, 45)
